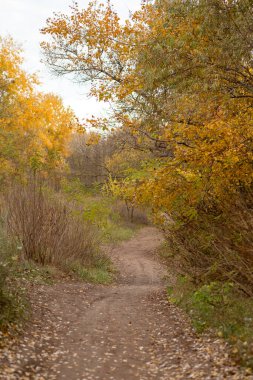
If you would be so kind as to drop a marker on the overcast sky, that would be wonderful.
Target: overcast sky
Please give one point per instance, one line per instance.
(23, 19)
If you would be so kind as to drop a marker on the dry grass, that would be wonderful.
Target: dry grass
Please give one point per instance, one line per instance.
(47, 229)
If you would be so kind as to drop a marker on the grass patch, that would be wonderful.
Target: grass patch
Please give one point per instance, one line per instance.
(36, 274)
(101, 272)
(114, 233)
(221, 309)
(93, 275)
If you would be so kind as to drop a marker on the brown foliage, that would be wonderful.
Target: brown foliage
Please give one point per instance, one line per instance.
(217, 246)
(48, 229)
(139, 215)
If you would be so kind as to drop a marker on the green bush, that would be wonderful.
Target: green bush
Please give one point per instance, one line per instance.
(220, 308)
(12, 300)
(5, 298)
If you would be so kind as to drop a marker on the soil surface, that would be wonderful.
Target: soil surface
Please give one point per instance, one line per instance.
(124, 331)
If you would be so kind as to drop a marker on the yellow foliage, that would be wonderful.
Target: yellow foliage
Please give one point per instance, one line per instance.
(35, 127)
(180, 75)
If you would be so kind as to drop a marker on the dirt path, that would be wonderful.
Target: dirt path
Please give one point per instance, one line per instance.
(126, 331)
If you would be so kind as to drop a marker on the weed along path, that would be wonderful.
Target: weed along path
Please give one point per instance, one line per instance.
(124, 331)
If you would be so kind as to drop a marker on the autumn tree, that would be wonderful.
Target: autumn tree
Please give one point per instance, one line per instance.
(35, 127)
(180, 75)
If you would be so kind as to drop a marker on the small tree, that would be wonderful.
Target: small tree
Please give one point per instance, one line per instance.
(125, 190)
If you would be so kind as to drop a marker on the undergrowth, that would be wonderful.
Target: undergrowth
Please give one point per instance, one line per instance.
(221, 309)
(102, 211)
(210, 255)
(13, 303)
(38, 245)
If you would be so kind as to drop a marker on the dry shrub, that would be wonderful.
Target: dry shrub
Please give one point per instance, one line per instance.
(139, 215)
(218, 246)
(48, 230)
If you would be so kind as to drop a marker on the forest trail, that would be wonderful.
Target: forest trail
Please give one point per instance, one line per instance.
(125, 331)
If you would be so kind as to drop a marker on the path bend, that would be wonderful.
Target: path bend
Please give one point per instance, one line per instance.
(126, 331)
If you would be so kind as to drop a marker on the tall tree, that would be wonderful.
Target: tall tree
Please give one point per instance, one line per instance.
(180, 76)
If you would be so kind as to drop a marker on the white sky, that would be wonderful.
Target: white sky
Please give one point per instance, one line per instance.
(23, 19)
